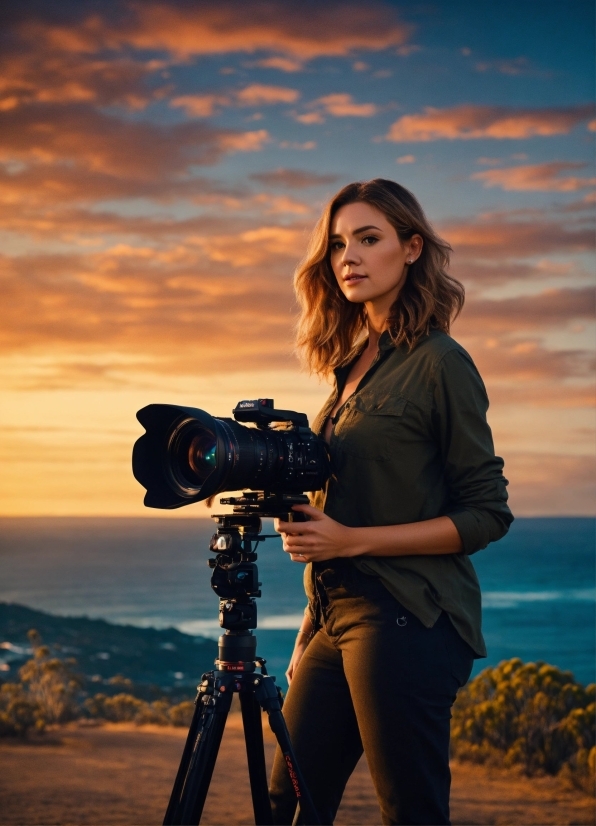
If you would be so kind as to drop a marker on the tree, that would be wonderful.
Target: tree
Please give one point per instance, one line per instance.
(50, 682)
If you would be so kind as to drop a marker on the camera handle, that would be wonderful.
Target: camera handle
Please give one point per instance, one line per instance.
(235, 580)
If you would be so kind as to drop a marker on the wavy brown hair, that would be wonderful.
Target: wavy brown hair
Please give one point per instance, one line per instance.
(330, 327)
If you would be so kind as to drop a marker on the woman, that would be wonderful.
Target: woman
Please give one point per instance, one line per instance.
(393, 620)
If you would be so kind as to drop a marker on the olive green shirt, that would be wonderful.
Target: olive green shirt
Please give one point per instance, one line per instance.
(412, 443)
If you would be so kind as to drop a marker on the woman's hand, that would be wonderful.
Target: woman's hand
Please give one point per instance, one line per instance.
(319, 539)
(323, 538)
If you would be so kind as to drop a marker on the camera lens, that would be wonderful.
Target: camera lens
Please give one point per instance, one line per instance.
(202, 455)
(191, 455)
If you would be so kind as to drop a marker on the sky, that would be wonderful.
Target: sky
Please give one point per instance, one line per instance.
(162, 165)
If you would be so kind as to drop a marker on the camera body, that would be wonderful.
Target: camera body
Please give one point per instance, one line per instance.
(187, 455)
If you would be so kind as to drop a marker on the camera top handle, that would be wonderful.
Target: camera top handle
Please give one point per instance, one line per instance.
(262, 412)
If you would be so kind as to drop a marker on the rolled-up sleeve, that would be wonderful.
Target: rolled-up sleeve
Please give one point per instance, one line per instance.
(474, 475)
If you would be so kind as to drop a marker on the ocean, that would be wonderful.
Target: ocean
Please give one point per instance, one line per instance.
(538, 583)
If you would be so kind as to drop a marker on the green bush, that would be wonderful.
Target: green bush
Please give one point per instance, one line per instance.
(530, 715)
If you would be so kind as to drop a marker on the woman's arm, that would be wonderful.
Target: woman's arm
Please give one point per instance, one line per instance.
(323, 538)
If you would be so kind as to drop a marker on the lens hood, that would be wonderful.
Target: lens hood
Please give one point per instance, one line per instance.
(158, 461)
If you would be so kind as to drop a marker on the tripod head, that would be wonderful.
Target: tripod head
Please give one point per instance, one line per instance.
(235, 578)
(264, 504)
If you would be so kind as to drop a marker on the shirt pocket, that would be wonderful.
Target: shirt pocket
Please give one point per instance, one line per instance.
(371, 428)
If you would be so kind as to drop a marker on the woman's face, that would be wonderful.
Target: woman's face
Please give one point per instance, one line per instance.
(367, 257)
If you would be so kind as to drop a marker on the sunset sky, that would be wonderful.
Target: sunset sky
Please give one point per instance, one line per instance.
(162, 164)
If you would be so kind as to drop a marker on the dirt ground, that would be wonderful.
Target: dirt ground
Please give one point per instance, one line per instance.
(120, 774)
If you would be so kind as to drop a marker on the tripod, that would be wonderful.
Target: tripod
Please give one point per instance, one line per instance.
(235, 581)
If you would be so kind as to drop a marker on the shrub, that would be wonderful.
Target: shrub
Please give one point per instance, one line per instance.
(51, 683)
(122, 708)
(531, 715)
(181, 714)
(18, 713)
(49, 693)
(155, 713)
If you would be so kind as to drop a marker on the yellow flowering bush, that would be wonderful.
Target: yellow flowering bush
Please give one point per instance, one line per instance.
(125, 708)
(531, 715)
(18, 712)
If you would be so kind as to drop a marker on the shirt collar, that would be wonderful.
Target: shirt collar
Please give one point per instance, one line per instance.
(385, 343)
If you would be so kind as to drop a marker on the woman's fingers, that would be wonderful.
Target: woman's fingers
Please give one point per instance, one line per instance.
(294, 527)
(298, 541)
(313, 513)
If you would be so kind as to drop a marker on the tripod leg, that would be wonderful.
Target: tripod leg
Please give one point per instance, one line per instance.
(194, 784)
(267, 695)
(255, 753)
(185, 760)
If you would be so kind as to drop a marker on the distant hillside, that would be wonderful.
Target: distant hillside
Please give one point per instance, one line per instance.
(168, 660)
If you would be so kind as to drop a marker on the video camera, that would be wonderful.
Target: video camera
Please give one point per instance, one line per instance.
(187, 455)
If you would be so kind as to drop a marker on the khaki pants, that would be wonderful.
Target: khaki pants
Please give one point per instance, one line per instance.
(373, 678)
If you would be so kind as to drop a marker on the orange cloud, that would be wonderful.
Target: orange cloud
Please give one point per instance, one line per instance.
(550, 483)
(469, 122)
(543, 177)
(146, 297)
(309, 118)
(199, 106)
(281, 205)
(253, 247)
(245, 141)
(300, 32)
(86, 55)
(303, 146)
(36, 72)
(502, 237)
(283, 64)
(523, 361)
(86, 138)
(258, 94)
(168, 303)
(344, 106)
(551, 309)
(554, 395)
(304, 32)
(518, 367)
